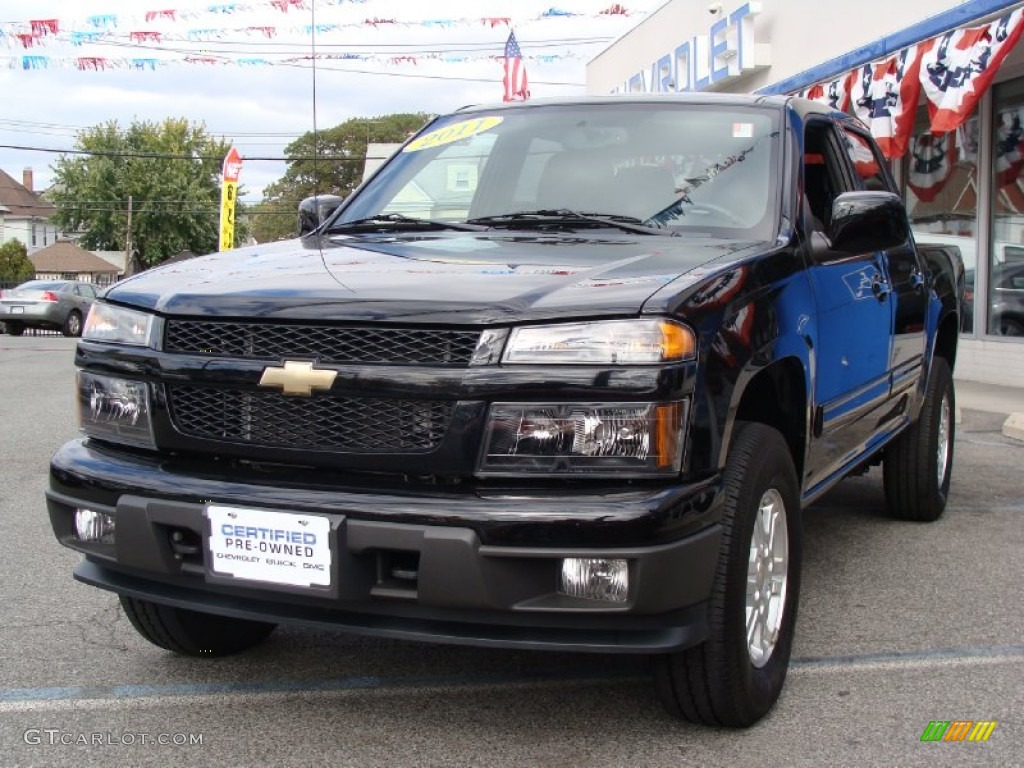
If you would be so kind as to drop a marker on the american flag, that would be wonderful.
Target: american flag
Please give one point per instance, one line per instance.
(516, 86)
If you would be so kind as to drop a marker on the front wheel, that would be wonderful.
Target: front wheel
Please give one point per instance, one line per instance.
(190, 632)
(735, 676)
(918, 464)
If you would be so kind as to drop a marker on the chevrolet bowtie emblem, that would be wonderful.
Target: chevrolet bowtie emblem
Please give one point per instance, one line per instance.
(296, 378)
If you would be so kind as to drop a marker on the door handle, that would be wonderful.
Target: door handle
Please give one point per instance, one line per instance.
(880, 287)
(916, 281)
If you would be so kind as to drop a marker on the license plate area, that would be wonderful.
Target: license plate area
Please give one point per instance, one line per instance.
(270, 549)
(17, 310)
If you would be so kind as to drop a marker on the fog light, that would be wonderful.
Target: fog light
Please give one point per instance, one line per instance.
(94, 526)
(595, 579)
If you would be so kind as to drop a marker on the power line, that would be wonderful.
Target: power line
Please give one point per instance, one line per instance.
(169, 156)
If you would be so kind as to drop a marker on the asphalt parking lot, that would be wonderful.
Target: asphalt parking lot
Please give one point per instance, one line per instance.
(900, 624)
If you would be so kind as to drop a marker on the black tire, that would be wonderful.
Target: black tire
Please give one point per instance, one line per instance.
(911, 472)
(15, 329)
(190, 632)
(72, 324)
(717, 682)
(1008, 326)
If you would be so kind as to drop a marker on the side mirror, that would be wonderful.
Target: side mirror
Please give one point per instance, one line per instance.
(315, 210)
(863, 222)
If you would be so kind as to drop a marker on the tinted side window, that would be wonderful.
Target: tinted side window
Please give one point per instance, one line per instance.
(824, 174)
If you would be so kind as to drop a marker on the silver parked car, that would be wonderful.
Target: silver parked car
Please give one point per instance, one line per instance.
(59, 304)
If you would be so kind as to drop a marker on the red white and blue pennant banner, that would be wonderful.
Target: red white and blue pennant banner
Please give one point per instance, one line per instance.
(141, 64)
(156, 26)
(884, 96)
(960, 66)
(952, 71)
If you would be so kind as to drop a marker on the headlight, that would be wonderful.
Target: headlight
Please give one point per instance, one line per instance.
(115, 409)
(614, 439)
(107, 322)
(607, 342)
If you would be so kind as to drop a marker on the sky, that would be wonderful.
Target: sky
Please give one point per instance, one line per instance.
(252, 94)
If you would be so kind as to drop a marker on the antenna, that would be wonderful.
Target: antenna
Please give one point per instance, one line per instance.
(316, 137)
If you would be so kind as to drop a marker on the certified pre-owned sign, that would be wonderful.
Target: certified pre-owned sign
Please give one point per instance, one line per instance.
(274, 547)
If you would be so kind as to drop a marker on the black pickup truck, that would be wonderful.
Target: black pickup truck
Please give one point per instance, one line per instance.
(560, 375)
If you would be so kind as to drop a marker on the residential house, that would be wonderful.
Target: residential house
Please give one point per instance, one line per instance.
(66, 261)
(442, 189)
(25, 215)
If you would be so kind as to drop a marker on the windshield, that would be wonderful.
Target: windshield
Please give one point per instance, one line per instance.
(674, 168)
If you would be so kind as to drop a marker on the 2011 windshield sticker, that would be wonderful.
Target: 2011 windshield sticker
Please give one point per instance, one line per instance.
(452, 133)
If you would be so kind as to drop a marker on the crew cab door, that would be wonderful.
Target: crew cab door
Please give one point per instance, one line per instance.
(854, 315)
(906, 274)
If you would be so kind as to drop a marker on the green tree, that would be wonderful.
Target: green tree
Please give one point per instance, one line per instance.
(15, 266)
(171, 170)
(332, 165)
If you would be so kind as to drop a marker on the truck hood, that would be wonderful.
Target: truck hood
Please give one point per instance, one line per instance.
(458, 278)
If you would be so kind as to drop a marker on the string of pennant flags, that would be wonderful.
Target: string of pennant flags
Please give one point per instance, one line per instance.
(140, 28)
(104, 63)
(952, 71)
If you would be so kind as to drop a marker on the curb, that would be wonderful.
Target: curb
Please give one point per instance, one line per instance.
(1013, 427)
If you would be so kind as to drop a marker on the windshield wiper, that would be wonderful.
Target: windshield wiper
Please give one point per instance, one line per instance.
(564, 215)
(384, 221)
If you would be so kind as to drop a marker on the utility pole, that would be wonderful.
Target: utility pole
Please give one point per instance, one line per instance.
(128, 266)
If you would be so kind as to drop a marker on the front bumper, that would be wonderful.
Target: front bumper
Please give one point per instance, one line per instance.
(478, 567)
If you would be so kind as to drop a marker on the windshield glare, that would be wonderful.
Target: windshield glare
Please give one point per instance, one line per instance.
(682, 167)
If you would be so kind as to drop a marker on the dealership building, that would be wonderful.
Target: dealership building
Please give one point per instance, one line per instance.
(939, 83)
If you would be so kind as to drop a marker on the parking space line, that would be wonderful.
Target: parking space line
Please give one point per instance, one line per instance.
(987, 654)
(106, 696)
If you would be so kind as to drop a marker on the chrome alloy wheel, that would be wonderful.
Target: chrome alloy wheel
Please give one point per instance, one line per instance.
(945, 435)
(766, 577)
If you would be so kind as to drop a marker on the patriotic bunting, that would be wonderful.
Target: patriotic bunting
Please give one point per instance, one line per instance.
(1009, 146)
(884, 97)
(932, 159)
(961, 65)
(834, 94)
(952, 70)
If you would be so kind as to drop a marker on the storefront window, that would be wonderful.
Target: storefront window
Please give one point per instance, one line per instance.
(1006, 259)
(941, 179)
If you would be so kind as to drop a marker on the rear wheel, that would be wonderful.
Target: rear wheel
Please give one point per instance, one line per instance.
(1008, 326)
(15, 329)
(190, 632)
(73, 324)
(735, 677)
(918, 464)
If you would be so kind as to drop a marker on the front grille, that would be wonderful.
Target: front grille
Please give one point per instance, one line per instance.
(348, 424)
(327, 343)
